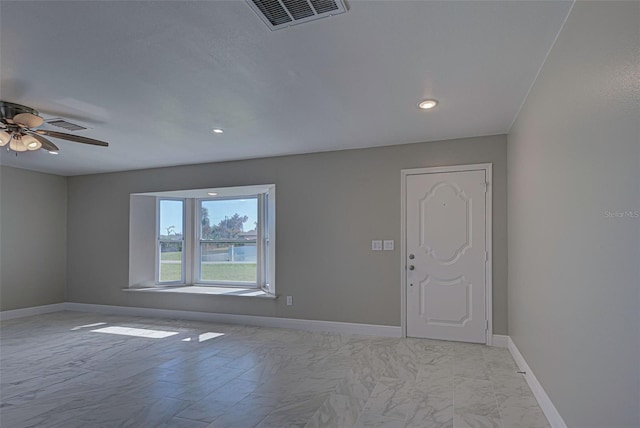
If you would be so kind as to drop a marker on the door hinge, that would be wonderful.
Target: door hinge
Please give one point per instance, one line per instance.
(484, 186)
(486, 325)
(486, 256)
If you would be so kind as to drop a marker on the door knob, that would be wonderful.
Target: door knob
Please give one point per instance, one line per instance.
(411, 257)
(411, 267)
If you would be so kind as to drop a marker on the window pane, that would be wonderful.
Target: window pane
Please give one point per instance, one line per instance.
(228, 262)
(171, 227)
(229, 219)
(170, 261)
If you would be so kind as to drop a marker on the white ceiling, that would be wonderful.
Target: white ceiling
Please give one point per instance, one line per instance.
(154, 77)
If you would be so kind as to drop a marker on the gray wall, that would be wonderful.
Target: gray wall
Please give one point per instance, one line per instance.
(573, 155)
(329, 208)
(34, 233)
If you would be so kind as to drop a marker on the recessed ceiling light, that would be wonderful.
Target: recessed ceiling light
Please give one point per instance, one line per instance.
(217, 131)
(53, 152)
(427, 104)
(211, 193)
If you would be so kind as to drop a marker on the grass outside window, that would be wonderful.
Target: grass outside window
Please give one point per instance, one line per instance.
(170, 269)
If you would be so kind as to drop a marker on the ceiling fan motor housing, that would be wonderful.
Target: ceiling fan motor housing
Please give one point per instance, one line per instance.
(10, 110)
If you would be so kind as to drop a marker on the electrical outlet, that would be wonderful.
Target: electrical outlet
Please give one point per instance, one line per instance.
(376, 245)
(388, 245)
(289, 301)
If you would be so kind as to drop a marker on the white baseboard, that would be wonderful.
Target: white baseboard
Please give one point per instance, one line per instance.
(297, 324)
(34, 310)
(550, 411)
(500, 341)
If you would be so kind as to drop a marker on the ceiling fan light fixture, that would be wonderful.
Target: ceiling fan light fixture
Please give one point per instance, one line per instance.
(17, 145)
(5, 137)
(29, 120)
(31, 143)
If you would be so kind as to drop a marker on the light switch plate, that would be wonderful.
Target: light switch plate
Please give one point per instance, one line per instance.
(376, 245)
(388, 245)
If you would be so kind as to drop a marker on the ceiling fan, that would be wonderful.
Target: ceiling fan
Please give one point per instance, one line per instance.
(17, 129)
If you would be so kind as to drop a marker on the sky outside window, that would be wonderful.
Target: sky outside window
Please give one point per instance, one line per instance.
(221, 209)
(171, 217)
(171, 213)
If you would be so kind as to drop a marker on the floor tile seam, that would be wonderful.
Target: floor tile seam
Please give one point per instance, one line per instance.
(214, 390)
(433, 395)
(173, 415)
(495, 399)
(56, 394)
(368, 400)
(453, 392)
(366, 410)
(470, 378)
(189, 419)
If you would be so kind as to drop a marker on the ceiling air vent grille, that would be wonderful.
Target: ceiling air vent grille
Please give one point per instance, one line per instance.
(285, 13)
(61, 123)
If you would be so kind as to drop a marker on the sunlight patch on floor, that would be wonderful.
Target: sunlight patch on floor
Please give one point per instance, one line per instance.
(136, 332)
(88, 325)
(204, 336)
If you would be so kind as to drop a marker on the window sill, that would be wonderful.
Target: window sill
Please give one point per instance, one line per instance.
(217, 291)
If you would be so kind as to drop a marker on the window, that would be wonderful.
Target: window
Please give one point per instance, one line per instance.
(229, 242)
(170, 241)
(209, 237)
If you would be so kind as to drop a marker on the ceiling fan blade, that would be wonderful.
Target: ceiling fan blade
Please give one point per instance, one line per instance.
(46, 144)
(74, 138)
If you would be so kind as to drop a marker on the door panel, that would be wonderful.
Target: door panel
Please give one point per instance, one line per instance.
(446, 255)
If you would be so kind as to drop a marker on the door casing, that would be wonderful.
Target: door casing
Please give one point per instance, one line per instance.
(487, 167)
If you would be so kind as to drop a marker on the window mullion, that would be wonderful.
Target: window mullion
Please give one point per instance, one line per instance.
(189, 253)
(260, 243)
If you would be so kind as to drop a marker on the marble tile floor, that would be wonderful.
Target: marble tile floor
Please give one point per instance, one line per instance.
(72, 369)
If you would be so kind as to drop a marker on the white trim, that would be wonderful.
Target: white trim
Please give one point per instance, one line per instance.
(297, 324)
(488, 168)
(403, 253)
(488, 243)
(550, 411)
(291, 323)
(206, 290)
(34, 310)
(500, 341)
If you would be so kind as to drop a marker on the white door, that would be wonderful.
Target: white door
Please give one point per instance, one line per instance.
(446, 254)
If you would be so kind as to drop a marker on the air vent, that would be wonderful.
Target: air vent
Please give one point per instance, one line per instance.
(279, 14)
(61, 123)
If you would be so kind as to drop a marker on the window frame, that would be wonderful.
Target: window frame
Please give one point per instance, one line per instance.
(197, 261)
(265, 240)
(159, 241)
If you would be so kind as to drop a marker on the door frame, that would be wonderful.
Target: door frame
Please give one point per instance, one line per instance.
(488, 168)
